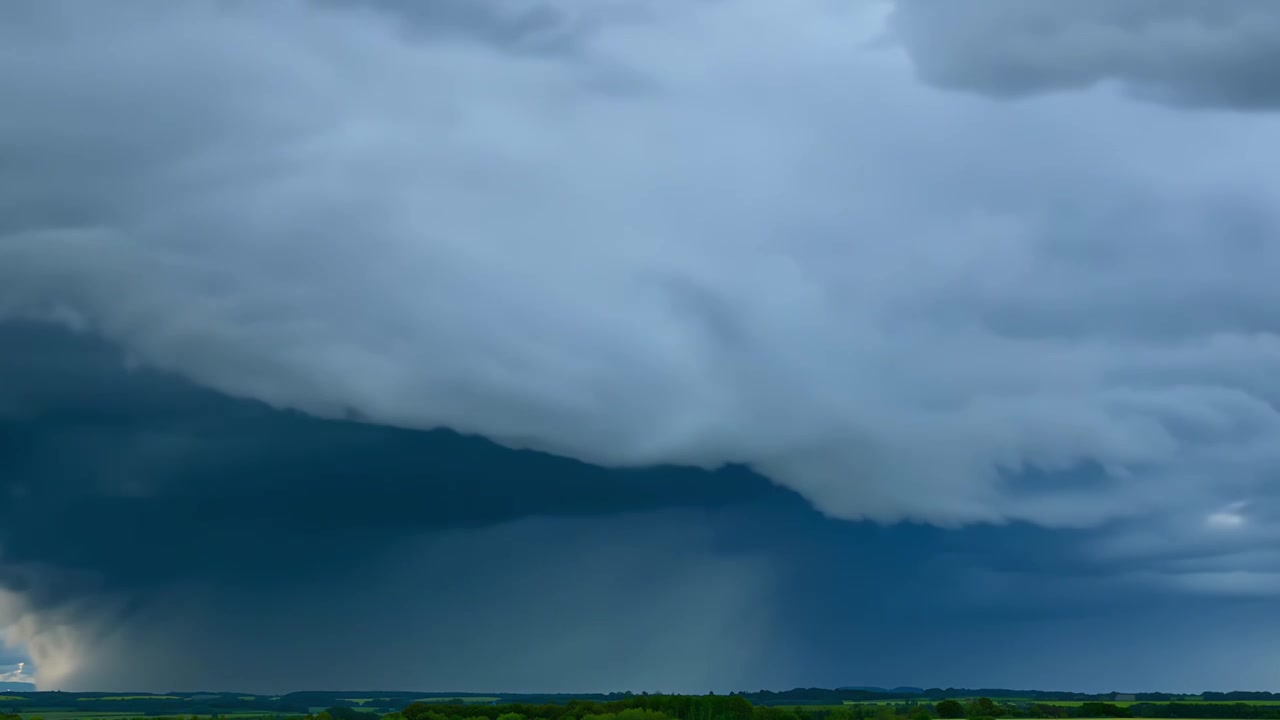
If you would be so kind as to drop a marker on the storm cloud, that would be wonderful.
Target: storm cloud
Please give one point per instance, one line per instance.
(180, 515)
(310, 303)
(267, 550)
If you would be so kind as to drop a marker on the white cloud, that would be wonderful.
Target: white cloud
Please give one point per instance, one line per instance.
(52, 642)
(13, 673)
(733, 231)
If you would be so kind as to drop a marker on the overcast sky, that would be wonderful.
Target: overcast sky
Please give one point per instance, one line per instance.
(622, 344)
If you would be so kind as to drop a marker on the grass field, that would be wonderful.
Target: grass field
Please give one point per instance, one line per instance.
(77, 715)
(1067, 703)
(1127, 703)
(464, 700)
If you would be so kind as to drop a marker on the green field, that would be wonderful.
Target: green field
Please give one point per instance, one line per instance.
(76, 715)
(1063, 703)
(1127, 703)
(462, 700)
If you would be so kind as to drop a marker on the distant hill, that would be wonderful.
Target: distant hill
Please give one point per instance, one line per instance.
(18, 686)
(900, 690)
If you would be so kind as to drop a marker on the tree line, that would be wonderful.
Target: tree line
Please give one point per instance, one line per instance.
(736, 707)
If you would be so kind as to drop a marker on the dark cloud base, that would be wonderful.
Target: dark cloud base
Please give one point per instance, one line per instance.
(133, 455)
(143, 511)
(154, 516)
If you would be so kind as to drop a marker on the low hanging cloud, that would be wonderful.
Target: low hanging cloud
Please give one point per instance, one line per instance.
(1195, 53)
(529, 606)
(898, 302)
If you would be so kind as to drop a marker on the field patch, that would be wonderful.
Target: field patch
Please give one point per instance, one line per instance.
(1061, 703)
(81, 715)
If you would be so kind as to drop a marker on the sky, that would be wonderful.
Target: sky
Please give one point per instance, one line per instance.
(554, 345)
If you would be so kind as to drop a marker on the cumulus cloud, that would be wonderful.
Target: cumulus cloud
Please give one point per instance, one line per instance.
(1199, 53)
(895, 301)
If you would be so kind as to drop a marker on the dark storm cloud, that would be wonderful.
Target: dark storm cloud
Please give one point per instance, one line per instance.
(132, 456)
(1204, 53)
(168, 498)
(1056, 316)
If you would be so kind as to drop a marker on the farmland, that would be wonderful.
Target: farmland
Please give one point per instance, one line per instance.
(1075, 703)
(798, 704)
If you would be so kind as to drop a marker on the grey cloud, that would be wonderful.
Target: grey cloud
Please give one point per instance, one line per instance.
(732, 268)
(1202, 53)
